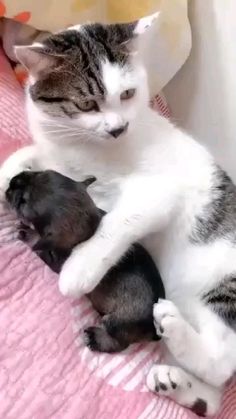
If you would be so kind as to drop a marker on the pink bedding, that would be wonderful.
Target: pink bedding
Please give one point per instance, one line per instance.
(45, 370)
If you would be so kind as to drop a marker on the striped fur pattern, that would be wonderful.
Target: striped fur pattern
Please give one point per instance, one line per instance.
(222, 300)
(218, 217)
(217, 220)
(72, 76)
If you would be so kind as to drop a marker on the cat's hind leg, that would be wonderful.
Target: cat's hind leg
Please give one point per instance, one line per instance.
(205, 353)
(184, 388)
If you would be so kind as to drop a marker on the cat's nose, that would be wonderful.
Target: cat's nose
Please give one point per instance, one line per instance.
(118, 131)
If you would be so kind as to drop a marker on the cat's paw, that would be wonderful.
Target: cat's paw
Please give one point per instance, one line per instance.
(167, 318)
(82, 271)
(184, 388)
(174, 329)
(167, 380)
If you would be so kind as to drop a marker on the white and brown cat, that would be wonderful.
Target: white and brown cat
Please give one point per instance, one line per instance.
(87, 103)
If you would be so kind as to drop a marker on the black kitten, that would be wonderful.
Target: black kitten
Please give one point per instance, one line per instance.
(57, 214)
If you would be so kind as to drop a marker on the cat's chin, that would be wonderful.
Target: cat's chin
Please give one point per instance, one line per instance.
(108, 139)
(112, 141)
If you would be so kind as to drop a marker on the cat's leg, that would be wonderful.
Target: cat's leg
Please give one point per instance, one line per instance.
(205, 353)
(24, 159)
(145, 205)
(185, 389)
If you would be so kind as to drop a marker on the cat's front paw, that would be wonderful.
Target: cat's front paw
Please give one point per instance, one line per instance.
(82, 271)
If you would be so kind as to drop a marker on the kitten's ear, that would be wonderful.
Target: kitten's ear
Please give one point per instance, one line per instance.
(35, 58)
(89, 181)
(145, 23)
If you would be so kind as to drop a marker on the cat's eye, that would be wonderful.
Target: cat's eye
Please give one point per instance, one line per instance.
(127, 94)
(88, 105)
(51, 99)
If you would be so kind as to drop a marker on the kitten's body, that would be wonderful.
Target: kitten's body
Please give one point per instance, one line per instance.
(160, 186)
(57, 214)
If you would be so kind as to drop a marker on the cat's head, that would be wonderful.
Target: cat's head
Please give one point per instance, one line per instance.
(89, 79)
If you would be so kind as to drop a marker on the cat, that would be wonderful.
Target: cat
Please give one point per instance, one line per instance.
(89, 114)
(57, 213)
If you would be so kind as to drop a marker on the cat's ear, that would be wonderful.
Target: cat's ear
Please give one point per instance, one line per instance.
(138, 31)
(35, 58)
(128, 34)
(145, 23)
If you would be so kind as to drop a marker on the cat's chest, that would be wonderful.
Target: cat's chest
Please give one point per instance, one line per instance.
(109, 171)
(107, 187)
(105, 192)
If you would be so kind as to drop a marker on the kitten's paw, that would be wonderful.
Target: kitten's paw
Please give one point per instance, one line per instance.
(167, 380)
(24, 232)
(91, 338)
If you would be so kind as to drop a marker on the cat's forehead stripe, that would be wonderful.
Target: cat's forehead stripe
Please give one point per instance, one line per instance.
(94, 65)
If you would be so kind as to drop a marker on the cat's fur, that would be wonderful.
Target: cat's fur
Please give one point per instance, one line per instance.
(161, 186)
(57, 214)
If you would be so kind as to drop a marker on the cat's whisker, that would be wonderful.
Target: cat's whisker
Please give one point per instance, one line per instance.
(65, 131)
(58, 126)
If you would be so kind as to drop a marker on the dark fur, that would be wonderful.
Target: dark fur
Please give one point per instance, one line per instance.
(222, 299)
(63, 215)
(218, 218)
(200, 407)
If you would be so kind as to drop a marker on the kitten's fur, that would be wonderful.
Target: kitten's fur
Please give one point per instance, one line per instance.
(160, 185)
(61, 215)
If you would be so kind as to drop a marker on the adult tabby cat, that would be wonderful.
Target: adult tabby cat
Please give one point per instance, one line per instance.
(87, 102)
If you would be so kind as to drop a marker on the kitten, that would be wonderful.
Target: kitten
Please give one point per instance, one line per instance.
(157, 183)
(62, 214)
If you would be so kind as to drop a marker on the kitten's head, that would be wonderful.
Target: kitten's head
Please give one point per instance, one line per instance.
(89, 79)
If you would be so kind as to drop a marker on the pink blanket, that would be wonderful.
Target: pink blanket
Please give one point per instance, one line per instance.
(45, 370)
